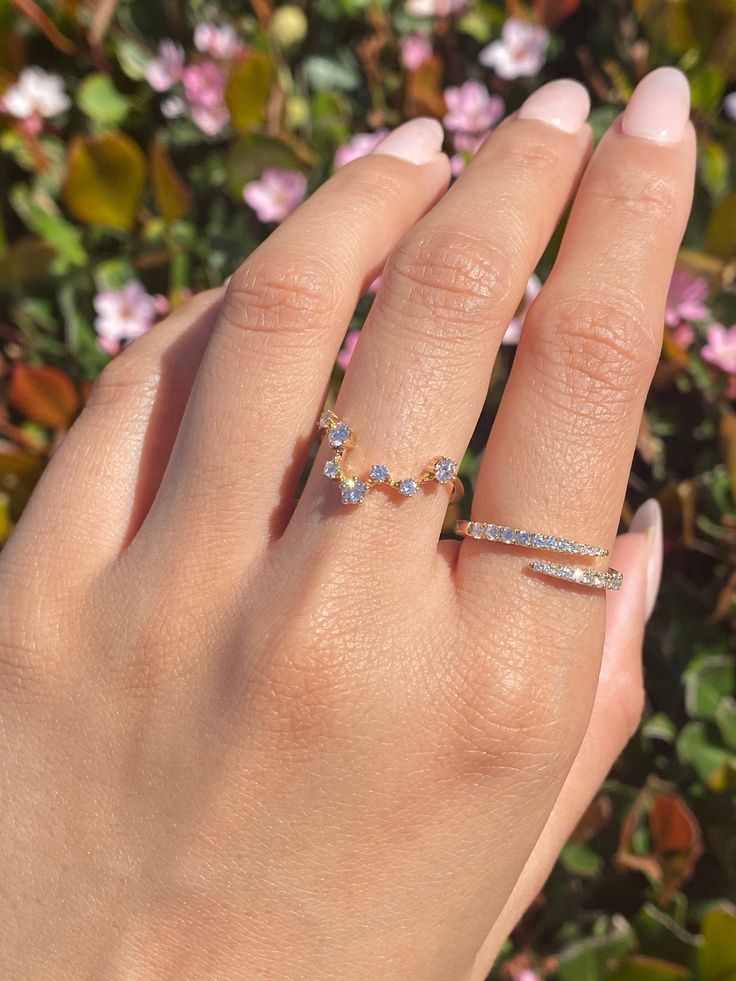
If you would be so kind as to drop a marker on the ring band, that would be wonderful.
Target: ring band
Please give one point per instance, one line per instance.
(609, 579)
(353, 489)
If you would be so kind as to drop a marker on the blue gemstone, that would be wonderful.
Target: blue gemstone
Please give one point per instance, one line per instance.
(339, 435)
(379, 473)
(353, 491)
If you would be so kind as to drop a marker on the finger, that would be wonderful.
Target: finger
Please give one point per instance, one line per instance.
(418, 377)
(615, 717)
(102, 479)
(560, 450)
(266, 369)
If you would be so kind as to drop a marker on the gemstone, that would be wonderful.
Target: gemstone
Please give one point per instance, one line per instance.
(408, 487)
(353, 491)
(339, 434)
(507, 536)
(491, 532)
(325, 420)
(445, 470)
(331, 470)
(538, 541)
(380, 474)
(522, 537)
(475, 529)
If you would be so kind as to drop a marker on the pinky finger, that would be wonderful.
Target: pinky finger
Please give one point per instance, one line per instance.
(613, 721)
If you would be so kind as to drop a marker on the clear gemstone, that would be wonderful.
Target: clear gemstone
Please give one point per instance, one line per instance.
(339, 434)
(475, 529)
(331, 470)
(408, 487)
(445, 470)
(523, 538)
(538, 541)
(491, 532)
(325, 419)
(380, 474)
(353, 491)
(579, 575)
(507, 536)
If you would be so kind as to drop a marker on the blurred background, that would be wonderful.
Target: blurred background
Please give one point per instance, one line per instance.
(146, 148)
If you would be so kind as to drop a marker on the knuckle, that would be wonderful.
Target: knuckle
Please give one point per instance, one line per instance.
(638, 192)
(128, 376)
(284, 295)
(533, 160)
(455, 279)
(601, 352)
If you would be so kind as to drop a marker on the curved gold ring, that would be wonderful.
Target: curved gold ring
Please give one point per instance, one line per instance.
(353, 489)
(505, 535)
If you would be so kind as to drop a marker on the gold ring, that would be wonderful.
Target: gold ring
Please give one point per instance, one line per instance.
(353, 489)
(506, 535)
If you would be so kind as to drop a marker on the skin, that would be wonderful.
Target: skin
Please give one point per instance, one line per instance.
(245, 740)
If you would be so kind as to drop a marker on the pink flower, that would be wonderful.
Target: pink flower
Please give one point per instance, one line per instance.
(683, 335)
(348, 346)
(359, 146)
(434, 8)
(466, 145)
(165, 70)
(521, 51)
(685, 299)
(204, 87)
(221, 43)
(513, 331)
(374, 285)
(470, 108)
(276, 194)
(123, 315)
(415, 50)
(729, 105)
(721, 347)
(37, 94)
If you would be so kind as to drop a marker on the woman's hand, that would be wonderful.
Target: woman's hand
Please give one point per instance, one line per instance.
(242, 740)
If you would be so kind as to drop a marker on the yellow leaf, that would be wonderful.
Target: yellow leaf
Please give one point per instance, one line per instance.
(728, 447)
(171, 194)
(105, 178)
(721, 234)
(248, 91)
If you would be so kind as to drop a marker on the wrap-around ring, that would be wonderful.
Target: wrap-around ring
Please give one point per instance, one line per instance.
(353, 489)
(505, 535)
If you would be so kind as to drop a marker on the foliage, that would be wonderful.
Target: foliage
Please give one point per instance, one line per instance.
(126, 181)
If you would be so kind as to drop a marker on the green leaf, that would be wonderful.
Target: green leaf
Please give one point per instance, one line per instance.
(718, 953)
(720, 236)
(248, 90)
(660, 726)
(98, 98)
(713, 165)
(726, 721)
(41, 215)
(252, 154)
(339, 72)
(706, 87)
(707, 681)
(582, 860)
(661, 936)
(714, 765)
(105, 180)
(641, 968)
(589, 960)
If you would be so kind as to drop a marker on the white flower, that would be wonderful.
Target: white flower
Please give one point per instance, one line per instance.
(37, 93)
(123, 315)
(521, 52)
(165, 70)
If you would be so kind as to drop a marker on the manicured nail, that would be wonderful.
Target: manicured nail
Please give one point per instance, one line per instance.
(648, 521)
(416, 141)
(564, 104)
(659, 108)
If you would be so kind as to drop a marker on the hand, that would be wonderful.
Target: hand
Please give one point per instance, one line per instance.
(242, 740)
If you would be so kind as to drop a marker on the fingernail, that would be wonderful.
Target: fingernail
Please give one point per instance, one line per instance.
(659, 108)
(648, 521)
(416, 141)
(564, 104)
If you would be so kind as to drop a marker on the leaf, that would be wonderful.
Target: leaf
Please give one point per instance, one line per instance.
(589, 959)
(19, 473)
(339, 72)
(581, 860)
(726, 721)
(252, 154)
(173, 197)
(640, 968)
(44, 395)
(707, 681)
(105, 179)
(41, 214)
(677, 841)
(660, 936)
(718, 953)
(727, 439)
(713, 764)
(27, 260)
(248, 91)
(713, 164)
(424, 95)
(706, 87)
(98, 98)
(720, 239)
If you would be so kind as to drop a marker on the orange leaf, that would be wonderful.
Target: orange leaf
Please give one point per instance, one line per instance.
(45, 395)
(424, 89)
(171, 194)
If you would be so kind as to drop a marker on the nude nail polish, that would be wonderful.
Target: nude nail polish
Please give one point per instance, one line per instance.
(417, 141)
(564, 104)
(647, 521)
(659, 109)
